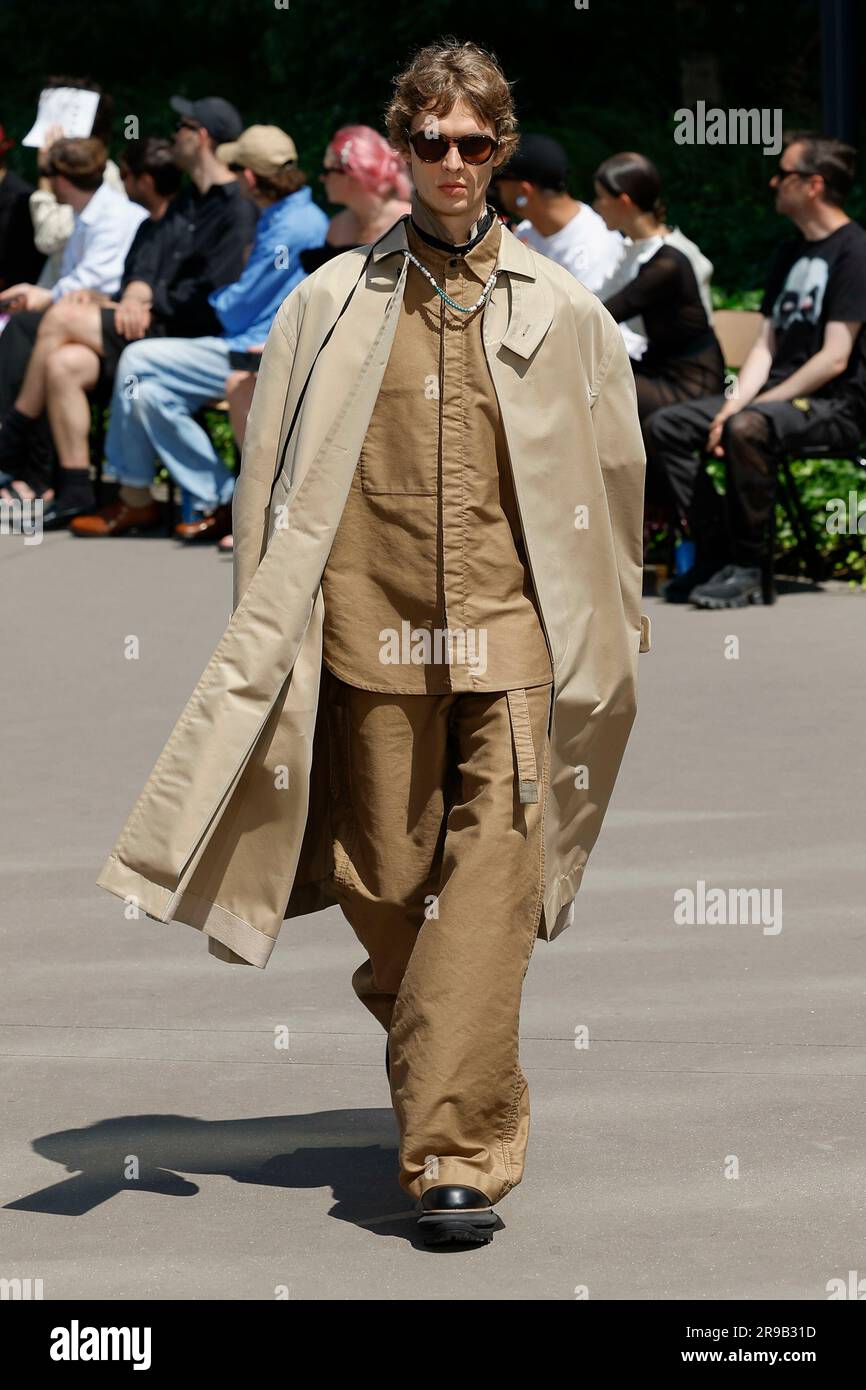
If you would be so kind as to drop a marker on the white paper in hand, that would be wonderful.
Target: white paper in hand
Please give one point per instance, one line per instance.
(73, 108)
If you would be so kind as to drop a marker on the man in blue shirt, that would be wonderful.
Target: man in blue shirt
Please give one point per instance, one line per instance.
(162, 382)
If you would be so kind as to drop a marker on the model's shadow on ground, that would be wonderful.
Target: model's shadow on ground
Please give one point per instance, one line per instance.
(354, 1152)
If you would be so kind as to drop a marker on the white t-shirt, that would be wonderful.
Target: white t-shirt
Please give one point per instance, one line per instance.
(584, 246)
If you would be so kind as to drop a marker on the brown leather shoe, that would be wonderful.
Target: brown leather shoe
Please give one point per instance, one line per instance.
(210, 527)
(117, 519)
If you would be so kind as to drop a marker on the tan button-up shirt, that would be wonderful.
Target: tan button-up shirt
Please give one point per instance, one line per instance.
(427, 588)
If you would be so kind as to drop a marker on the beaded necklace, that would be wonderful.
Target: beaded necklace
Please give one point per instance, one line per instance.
(452, 303)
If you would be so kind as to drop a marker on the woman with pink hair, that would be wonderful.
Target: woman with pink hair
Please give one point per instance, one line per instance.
(364, 173)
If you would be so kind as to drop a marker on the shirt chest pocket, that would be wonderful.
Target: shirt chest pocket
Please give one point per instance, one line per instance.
(400, 454)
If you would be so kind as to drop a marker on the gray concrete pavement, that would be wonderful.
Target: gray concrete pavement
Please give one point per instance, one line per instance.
(263, 1168)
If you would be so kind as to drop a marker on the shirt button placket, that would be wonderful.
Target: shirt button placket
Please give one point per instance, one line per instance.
(452, 461)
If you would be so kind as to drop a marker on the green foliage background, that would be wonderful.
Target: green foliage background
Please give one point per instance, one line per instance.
(600, 79)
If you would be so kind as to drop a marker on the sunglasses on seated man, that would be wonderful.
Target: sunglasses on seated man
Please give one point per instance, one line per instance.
(782, 173)
(474, 149)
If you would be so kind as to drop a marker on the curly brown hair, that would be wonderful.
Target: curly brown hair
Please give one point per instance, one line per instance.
(447, 72)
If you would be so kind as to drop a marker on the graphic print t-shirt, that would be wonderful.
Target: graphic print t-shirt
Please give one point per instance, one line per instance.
(813, 283)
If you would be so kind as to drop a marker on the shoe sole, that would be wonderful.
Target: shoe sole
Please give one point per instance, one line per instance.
(199, 540)
(458, 1227)
(742, 602)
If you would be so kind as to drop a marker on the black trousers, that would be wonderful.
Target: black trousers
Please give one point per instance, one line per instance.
(735, 527)
(674, 382)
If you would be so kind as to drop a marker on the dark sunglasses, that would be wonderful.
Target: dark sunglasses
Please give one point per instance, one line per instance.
(332, 169)
(781, 173)
(188, 123)
(474, 149)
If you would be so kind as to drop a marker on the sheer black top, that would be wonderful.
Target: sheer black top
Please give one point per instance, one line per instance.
(665, 292)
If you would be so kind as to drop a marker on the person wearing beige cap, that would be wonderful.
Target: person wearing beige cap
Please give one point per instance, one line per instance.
(261, 152)
(263, 149)
(176, 376)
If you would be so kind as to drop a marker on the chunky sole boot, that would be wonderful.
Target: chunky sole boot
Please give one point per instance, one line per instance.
(735, 586)
(456, 1215)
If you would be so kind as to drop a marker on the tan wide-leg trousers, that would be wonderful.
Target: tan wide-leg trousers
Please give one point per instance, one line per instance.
(437, 805)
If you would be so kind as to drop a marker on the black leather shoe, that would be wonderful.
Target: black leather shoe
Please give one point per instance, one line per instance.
(455, 1214)
(56, 516)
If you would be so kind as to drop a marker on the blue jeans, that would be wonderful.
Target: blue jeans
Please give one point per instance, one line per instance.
(160, 382)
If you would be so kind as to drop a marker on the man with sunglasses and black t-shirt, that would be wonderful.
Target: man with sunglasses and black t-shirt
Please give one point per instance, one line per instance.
(803, 383)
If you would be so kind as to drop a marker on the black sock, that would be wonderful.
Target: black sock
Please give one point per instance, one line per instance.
(15, 431)
(75, 488)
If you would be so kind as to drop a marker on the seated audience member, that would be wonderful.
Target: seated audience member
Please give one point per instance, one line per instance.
(198, 244)
(19, 257)
(104, 224)
(92, 265)
(173, 378)
(362, 172)
(53, 221)
(533, 186)
(78, 341)
(656, 283)
(803, 383)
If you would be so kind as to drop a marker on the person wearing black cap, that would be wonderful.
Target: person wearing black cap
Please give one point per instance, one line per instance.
(176, 375)
(533, 186)
(215, 115)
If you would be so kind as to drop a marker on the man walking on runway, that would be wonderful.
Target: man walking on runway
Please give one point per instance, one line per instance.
(419, 708)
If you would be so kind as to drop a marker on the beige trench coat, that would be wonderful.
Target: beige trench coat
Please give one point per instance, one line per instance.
(229, 833)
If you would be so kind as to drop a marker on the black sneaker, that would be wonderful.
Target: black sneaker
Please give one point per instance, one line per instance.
(733, 587)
